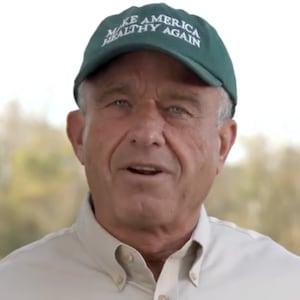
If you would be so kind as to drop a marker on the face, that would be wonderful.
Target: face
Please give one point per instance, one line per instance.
(149, 141)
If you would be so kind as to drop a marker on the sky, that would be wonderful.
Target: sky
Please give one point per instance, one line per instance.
(42, 44)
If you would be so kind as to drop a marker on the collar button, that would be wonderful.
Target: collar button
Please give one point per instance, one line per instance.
(119, 279)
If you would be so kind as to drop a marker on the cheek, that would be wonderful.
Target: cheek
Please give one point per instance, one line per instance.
(101, 140)
(198, 150)
(94, 138)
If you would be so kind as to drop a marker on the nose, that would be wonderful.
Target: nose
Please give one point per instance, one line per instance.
(147, 127)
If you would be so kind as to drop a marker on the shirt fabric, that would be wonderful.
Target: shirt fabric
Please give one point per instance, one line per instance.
(220, 261)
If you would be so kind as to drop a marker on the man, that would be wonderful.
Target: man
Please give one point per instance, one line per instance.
(156, 94)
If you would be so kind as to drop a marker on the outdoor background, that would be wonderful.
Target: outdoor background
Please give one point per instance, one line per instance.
(42, 184)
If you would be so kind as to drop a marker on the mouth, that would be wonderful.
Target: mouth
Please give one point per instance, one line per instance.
(144, 170)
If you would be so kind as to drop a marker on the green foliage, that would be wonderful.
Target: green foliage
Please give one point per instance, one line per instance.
(262, 192)
(42, 184)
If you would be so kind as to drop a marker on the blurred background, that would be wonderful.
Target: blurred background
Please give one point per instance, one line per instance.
(41, 182)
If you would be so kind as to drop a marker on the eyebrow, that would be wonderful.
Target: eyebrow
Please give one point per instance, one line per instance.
(180, 94)
(191, 97)
(121, 88)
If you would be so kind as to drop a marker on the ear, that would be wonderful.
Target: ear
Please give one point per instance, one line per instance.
(227, 135)
(75, 130)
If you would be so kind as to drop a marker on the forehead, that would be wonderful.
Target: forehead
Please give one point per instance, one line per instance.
(153, 64)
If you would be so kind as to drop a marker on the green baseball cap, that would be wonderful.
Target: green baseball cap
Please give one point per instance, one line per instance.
(188, 38)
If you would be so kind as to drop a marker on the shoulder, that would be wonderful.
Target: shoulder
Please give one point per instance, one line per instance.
(232, 232)
(253, 261)
(251, 246)
(45, 252)
(47, 269)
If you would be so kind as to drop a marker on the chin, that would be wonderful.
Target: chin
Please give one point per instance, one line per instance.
(145, 218)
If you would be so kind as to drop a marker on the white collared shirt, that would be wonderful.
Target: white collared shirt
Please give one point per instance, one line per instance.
(220, 261)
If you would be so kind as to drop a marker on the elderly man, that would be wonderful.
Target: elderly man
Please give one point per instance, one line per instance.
(156, 94)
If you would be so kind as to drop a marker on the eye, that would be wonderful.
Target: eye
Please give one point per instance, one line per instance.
(177, 110)
(121, 103)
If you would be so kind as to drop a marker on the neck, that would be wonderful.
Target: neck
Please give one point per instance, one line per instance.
(155, 245)
(155, 242)
(157, 252)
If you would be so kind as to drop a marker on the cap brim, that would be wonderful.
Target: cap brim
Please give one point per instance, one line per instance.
(105, 56)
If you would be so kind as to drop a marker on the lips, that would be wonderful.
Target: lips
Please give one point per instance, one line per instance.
(144, 170)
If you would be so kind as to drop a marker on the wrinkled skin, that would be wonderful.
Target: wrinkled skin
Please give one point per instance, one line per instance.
(151, 147)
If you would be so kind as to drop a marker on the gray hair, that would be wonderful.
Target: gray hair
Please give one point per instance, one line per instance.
(80, 97)
(225, 107)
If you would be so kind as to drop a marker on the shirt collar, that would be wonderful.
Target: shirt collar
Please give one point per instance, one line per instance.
(103, 248)
(99, 244)
(201, 236)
